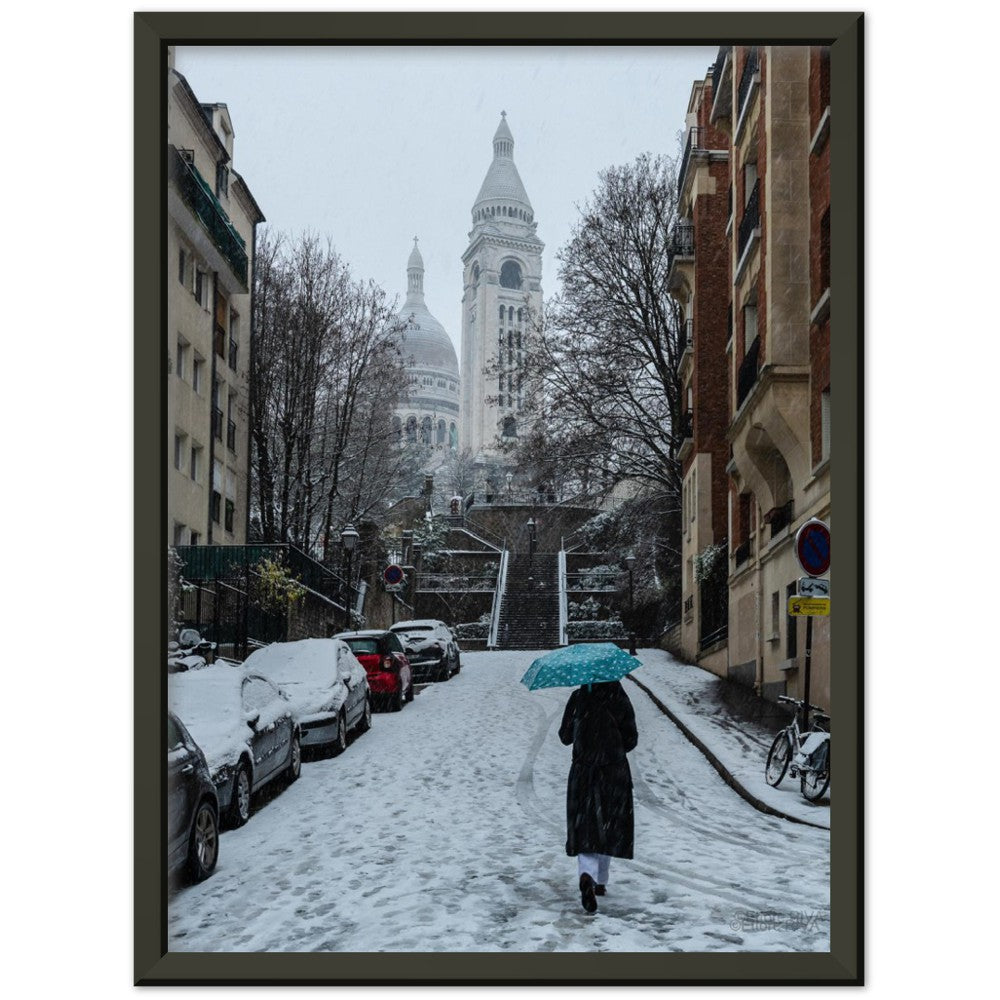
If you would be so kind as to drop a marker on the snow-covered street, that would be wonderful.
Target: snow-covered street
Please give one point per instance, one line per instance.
(443, 829)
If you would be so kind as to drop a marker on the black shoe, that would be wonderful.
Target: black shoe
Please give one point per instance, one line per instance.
(587, 893)
(600, 890)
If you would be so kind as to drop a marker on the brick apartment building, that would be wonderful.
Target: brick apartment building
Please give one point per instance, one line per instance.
(769, 108)
(699, 280)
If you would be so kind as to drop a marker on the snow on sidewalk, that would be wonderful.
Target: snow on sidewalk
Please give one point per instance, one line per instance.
(695, 696)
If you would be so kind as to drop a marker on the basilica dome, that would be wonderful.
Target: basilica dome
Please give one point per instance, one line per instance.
(425, 343)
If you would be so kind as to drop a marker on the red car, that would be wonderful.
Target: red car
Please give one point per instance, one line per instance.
(380, 652)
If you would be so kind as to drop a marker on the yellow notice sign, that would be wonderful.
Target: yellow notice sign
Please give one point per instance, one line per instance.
(808, 605)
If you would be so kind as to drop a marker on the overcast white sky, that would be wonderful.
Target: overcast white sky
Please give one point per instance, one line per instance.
(376, 145)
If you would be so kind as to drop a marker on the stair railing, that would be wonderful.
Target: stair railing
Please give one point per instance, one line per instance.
(491, 641)
(563, 637)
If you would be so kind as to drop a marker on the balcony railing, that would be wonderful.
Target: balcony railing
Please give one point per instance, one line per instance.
(742, 553)
(231, 435)
(219, 341)
(780, 518)
(750, 220)
(687, 424)
(217, 422)
(682, 239)
(694, 141)
(748, 373)
(750, 69)
(200, 199)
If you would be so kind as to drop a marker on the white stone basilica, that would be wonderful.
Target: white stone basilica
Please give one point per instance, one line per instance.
(502, 292)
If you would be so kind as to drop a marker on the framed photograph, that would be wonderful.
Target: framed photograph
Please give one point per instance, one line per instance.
(484, 509)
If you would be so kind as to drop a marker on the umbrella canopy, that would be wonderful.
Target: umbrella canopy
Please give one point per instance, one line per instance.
(584, 663)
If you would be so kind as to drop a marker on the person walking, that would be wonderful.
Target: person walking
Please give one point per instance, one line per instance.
(599, 722)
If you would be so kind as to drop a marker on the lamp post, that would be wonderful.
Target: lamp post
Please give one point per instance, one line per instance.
(531, 551)
(630, 562)
(348, 539)
(510, 479)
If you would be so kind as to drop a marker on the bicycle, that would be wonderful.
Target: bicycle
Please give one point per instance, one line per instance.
(807, 754)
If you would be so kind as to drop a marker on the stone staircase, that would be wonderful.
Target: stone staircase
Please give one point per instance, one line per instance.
(529, 612)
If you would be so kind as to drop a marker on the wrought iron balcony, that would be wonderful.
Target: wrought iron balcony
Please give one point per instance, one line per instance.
(687, 424)
(750, 69)
(748, 373)
(750, 220)
(694, 141)
(742, 553)
(779, 518)
(199, 197)
(682, 239)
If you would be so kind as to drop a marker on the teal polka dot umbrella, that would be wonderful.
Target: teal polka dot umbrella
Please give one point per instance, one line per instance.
(584, 663)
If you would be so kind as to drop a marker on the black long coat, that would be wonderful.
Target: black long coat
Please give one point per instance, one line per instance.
(600, 723)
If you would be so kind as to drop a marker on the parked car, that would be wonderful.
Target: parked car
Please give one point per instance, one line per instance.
(192, 806)
(430, 647)
(390, 676)
(244, 725)
(327, 686)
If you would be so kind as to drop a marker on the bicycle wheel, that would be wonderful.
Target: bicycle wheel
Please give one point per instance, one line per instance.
(814, 783)
(777, 758)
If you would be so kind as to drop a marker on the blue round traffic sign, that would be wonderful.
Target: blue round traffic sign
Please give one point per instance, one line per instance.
(393, 574)
(812, 547)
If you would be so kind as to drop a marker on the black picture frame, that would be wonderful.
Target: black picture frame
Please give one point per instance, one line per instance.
(153, 963)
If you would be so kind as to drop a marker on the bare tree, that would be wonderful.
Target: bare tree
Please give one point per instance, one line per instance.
(325, 376)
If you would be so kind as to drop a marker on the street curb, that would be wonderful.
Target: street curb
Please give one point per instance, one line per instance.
(724, 772)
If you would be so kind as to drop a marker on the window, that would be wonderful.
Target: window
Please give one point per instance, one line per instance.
(510, 276)
(411, 429)
(749, 327)
(222, 180)
(199, 286)
(179, 440)
(749, 180)
(217, 478)
(509, 426)
(425, 430)
(182, 266)
(179, 530)
(230, 499)
(234, 338)
(442, 431)
(197, 374)
(195, 538)
(230, 514)
(196, 462)
(183, 350)
(258, 694)
(776, 615)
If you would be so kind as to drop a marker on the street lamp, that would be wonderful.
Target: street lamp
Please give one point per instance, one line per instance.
(348, 539)
(630, 562)
(531, 551)
(510, 479)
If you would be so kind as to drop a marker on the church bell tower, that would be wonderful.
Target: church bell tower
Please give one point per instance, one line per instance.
(502, 275)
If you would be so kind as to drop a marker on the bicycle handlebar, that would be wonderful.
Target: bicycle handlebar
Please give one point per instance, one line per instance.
(799, 703)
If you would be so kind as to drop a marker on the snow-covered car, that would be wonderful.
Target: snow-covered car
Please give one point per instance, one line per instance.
(390, 676)
(326, 685)
(245, 728)
(431, 649)
(192, 806)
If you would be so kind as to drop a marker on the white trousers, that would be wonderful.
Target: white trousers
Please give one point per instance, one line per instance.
(595, 865)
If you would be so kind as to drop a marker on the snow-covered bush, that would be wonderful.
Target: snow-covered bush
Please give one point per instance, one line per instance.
(479, 629)
(613, 628)
(708, 561)
(587, 610)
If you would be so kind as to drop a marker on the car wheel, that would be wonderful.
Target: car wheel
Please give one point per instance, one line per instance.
(410, 691)
(366, 717)
(239, 807)
(444, 672)
(295, 759)
(458, 663)
(340, 743)
(203, 851)
(399, 700)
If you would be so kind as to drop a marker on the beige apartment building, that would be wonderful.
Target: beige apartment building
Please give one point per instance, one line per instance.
(779, 471)
(211, 220)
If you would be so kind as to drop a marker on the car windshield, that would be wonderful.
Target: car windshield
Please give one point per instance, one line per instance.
(414, 629)
(363, 645)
